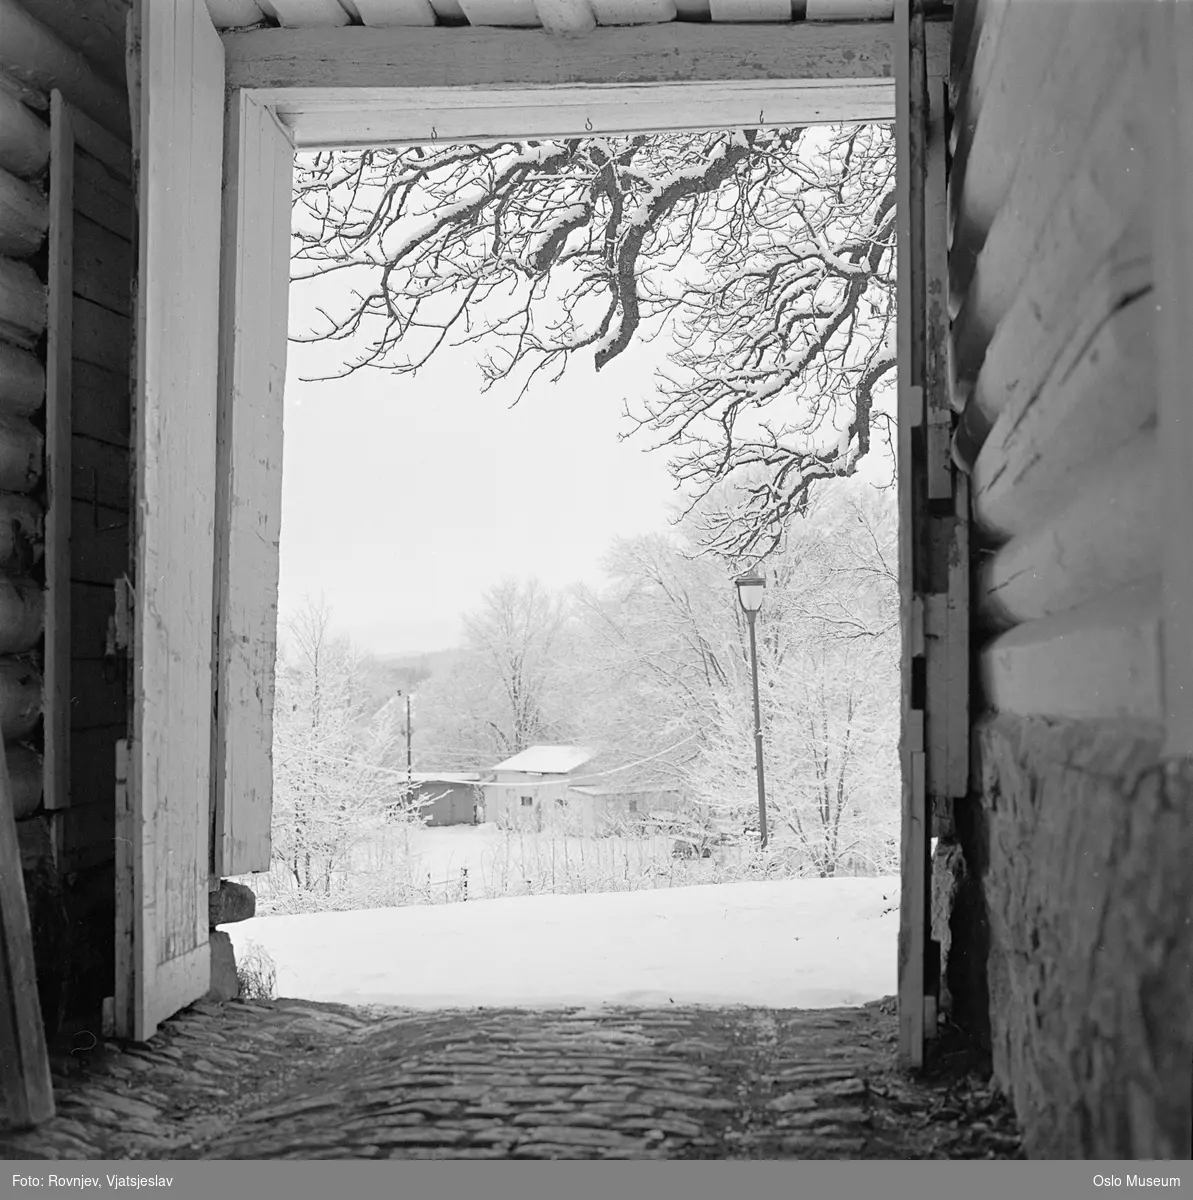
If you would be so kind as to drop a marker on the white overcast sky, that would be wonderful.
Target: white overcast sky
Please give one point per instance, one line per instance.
(404, 498)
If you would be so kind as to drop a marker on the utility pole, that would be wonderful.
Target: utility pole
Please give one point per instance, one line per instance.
(409, 755)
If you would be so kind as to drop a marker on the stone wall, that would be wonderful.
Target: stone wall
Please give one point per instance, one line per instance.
(1076, 884)
(229, 903)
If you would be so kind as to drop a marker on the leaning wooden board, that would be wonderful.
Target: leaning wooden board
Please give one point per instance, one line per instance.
(26, 1093)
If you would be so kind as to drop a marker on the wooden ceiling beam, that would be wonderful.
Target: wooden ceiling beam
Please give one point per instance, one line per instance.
(565, 16)
(380, 13)
(342, 60)
(233, 14)
(307, 14)
(376, 117)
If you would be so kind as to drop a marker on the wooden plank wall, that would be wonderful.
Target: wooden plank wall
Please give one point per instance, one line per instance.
(1052, 355)
(66, 219)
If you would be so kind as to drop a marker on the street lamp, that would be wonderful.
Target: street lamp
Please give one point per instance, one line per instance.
(750, 589)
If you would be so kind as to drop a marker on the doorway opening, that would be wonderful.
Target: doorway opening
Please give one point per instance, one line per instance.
(559, 395)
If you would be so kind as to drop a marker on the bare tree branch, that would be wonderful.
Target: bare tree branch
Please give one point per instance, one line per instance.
(767, 257)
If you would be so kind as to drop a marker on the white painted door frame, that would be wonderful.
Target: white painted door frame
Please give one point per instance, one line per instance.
(254, 288)
(334, 88)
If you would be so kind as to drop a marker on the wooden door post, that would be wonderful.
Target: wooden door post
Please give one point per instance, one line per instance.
(933, 522)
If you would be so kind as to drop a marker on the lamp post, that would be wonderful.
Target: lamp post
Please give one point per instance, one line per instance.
(750, 589)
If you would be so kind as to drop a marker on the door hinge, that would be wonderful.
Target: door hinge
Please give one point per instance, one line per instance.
(915, 405)
(120, 623)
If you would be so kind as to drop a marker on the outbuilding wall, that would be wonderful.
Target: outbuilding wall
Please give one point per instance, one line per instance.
(503, 799)
(447, 802)
(1068, 882)
(67, 220)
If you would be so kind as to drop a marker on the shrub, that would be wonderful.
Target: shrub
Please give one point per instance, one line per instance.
(257, 974)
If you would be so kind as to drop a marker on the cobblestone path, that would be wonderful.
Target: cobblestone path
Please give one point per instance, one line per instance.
(297, 1080)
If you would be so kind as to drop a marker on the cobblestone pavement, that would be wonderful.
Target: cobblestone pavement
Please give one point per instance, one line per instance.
(290, 1079)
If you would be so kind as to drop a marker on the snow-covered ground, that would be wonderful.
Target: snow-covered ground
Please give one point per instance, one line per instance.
(804, 943)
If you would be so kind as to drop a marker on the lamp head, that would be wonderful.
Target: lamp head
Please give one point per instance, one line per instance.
(750, 589)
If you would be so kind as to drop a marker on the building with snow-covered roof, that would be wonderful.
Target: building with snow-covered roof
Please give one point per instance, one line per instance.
(568, 787)
(530, 788)
(546, 760)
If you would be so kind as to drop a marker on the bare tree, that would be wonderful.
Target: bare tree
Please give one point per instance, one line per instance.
(329, 777)
(507, 690)
(767, 255)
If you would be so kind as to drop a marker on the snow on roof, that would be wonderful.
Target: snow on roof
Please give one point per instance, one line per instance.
(620, 790)
(547, 760)
(443, 777)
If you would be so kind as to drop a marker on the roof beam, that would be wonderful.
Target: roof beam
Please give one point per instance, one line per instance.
(352, 57)
(565, 16)
(376, 87)
(403, 116)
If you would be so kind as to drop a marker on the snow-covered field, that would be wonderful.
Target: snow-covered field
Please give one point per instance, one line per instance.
(394, 865)
(802, 943)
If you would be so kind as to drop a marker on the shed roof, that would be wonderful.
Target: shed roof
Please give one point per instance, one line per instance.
(444, 777)
(547, 760)
(624, 790)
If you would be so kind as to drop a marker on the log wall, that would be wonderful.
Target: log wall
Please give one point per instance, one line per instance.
(1054, 386)
(66, 267)
(24, 226)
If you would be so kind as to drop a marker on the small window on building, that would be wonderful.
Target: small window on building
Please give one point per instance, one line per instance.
(527, 801)
(633, 806)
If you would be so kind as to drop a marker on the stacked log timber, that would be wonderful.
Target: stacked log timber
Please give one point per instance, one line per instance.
(1050, 271)
(66, 258)
(1070, 415)
(24, 224)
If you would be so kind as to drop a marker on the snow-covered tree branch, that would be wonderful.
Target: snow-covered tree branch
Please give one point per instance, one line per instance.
(766, 256)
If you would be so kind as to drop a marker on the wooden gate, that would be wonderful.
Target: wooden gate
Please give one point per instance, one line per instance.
(162, 953)
(933, 523)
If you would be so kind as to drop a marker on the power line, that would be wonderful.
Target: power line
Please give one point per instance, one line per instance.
(572, 780)
(569, 780)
